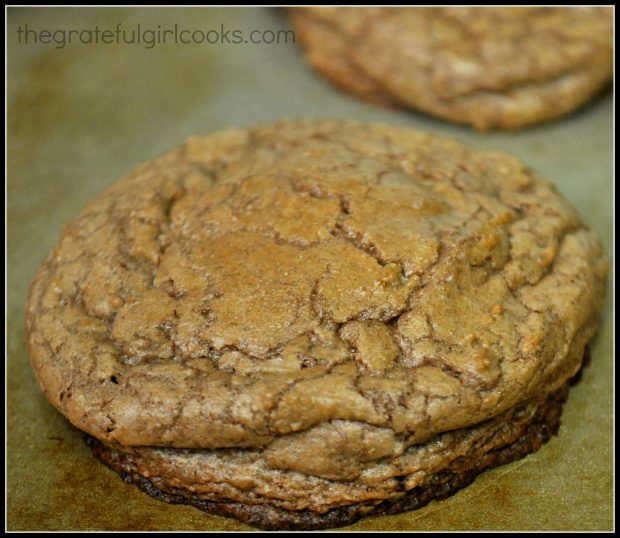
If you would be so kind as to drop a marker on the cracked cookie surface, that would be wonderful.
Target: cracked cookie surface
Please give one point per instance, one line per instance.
(313, 280)
(499, 67)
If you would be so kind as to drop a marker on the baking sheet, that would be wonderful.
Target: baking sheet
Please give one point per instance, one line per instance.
(82, 115)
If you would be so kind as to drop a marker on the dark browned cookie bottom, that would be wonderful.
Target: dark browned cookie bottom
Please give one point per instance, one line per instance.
(461, 473)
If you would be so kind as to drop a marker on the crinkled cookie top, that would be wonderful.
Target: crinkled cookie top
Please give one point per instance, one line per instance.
(490, 67)
(254, 283)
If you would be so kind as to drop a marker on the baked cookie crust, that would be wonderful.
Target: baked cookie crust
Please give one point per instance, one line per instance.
(490, 67)
(174, 484)
(313, 306)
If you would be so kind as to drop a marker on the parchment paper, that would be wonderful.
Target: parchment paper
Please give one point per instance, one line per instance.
(81, 116)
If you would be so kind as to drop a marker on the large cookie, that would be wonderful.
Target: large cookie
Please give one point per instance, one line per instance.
(502, 67)
(304, 322)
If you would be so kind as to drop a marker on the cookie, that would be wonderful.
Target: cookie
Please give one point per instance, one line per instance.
(492, 68)
(301, 323)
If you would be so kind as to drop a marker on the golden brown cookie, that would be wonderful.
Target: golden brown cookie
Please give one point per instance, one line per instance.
(304, 322)
(501, 67)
